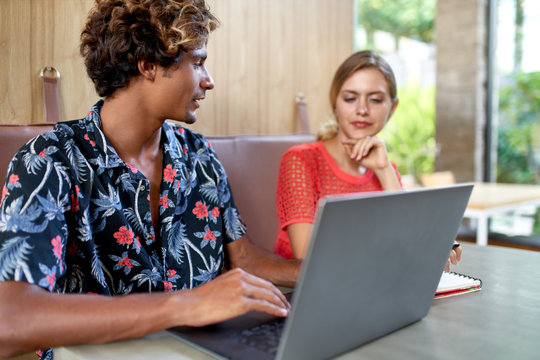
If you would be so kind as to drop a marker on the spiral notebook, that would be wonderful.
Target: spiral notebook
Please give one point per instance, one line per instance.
(453, 283)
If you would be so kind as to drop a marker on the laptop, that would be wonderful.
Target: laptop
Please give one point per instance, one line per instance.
(372, 267)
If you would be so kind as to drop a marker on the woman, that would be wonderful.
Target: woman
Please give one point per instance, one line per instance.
(347, 157)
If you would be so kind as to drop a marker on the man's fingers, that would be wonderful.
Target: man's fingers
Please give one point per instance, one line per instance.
(251, 286)
(262, 289)
(265, 306)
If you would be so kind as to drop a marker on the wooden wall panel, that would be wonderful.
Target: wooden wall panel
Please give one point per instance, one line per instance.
(15, 79)
(264, 52)
(33, 34)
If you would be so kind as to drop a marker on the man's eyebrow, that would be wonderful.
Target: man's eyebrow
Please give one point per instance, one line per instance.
(200, 55)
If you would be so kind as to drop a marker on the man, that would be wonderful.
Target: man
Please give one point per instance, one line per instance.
(124, 203)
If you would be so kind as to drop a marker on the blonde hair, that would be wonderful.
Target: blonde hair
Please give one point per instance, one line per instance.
(328, 130)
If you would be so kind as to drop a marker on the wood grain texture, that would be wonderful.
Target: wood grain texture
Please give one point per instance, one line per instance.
(267, 51)
(34, 34)
(262, 55)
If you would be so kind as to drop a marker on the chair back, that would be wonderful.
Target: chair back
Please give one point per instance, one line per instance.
(251, 162)
(252, 165)
(12, 137)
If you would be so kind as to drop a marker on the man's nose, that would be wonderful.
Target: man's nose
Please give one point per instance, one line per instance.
(207, 82)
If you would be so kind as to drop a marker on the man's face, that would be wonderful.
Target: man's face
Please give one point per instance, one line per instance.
(180, 87)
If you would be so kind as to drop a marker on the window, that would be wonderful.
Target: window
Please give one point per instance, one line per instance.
(515, 92)
(516, 81)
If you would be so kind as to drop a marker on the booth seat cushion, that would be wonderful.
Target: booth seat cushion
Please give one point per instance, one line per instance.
(251, 162)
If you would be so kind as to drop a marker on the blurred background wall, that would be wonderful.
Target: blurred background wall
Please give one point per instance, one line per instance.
(264, 53)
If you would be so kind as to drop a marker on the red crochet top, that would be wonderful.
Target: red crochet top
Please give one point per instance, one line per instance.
(308, 172)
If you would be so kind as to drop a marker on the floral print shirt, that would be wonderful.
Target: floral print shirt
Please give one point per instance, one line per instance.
(75, 218)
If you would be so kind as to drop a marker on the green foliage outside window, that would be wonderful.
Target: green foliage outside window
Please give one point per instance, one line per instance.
(401, 18)
(519, 132)
(518, 144)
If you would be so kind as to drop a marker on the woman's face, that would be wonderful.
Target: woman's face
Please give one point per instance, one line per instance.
(363, 104)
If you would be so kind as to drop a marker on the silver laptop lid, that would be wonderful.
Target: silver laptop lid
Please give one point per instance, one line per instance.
(372, 267)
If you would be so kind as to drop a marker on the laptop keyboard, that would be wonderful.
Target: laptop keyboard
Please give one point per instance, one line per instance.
(264, 337)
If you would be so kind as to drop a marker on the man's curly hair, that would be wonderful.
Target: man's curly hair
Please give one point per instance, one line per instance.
(119, 33)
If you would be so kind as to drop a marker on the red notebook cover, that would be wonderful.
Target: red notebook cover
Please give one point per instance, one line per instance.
(453, 283)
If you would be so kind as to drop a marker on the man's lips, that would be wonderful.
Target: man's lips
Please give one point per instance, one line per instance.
(196, 101)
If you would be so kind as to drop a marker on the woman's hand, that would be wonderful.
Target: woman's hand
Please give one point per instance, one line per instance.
(369, 152)
(455, 256)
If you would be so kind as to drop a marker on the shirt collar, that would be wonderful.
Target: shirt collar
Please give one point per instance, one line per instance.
(106, 155)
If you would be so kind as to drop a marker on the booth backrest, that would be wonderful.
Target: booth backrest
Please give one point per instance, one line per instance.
(12, 137)
(251, 162)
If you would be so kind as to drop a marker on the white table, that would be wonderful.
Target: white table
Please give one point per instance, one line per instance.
(488, 199)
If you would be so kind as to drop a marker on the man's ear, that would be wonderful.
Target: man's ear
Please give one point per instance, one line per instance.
(147, 69)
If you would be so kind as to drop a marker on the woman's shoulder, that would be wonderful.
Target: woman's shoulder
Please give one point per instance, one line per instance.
(304, 155)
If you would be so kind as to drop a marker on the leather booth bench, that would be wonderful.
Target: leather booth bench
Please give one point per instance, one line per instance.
(251, 162)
